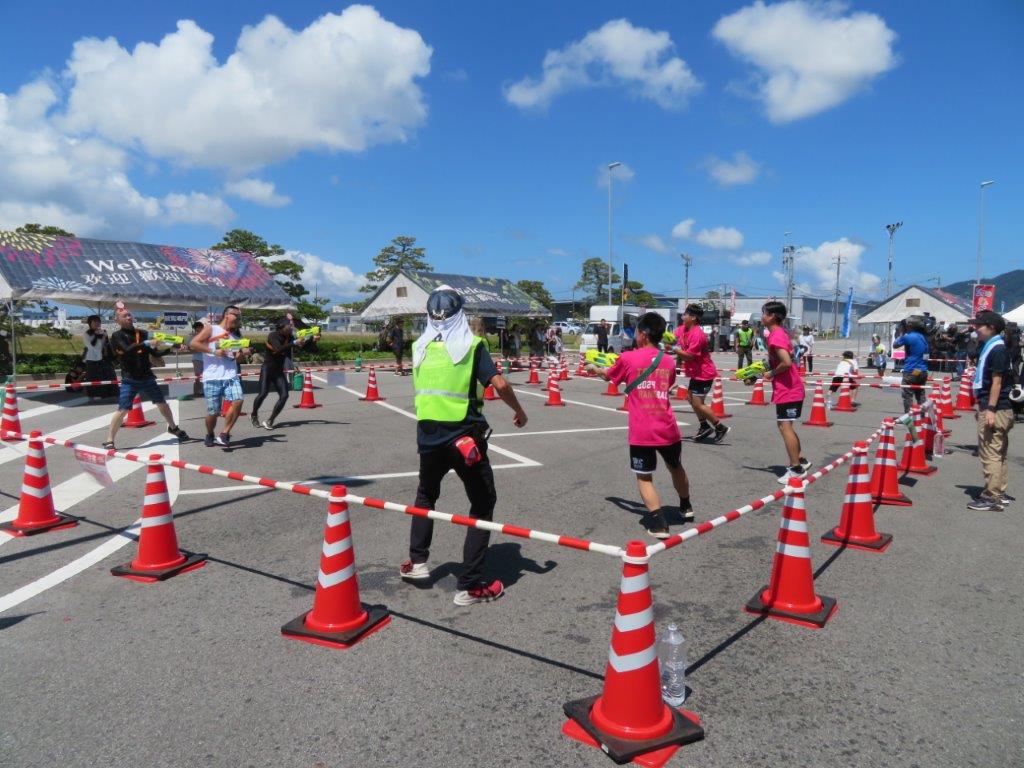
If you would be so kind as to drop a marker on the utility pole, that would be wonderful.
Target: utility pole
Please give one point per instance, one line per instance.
(611, 167)
(687, 261)
(892, 234)
(789, 269)
(838, 261)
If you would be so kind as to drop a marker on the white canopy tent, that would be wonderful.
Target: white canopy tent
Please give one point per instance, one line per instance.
(1015, 315)
(915, 300)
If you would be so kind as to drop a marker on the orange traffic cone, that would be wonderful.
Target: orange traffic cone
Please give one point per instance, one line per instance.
(612, 390)
(10, 422)
(35, 508)
(885, 487)
(338, 618)
(964, 394)
(940, 400)
(580, 370)
(534, 378)
(682, 393)
(928, 429)
(563, 373)
(946, 400)
(625, 404)
(819, 417)
(790, 595)
(856, 527)
(802, 368)
(489, 393)
(136, 419)
(718, 402)
(845, 404)
(158, 557)
(913, 461)
(757, 396)
(554, 392)
(308, 401)
(372, 395)
(225, 406)
(629, 720)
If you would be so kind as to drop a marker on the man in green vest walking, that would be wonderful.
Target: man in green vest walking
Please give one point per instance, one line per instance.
(451, 367)
(744, 344)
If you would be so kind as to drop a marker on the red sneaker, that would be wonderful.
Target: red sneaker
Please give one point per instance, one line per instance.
(484, 593)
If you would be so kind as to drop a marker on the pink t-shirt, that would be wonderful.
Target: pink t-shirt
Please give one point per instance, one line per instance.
(651, 419)
(787, 387)
(695, 341)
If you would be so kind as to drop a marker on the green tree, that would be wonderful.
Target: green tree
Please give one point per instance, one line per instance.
(639, 296)
(401, 253)
(594, 279)
(43, 229)
(712, 295)
(286, 273)
(535, 289)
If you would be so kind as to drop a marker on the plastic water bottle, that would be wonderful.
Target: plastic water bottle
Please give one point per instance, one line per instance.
(672, 653)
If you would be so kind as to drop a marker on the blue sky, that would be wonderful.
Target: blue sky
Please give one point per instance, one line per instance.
(737, 122)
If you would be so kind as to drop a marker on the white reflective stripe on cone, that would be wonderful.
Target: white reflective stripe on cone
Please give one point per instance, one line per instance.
(327, 580)
(330, 550)
(798, 526)
(856, 498)
(632, 621)
(632, 584)
(335, 519)
(155, 498)
(39, 493)
(793, 550)
(35, 471)
(152, 522)
(631, 662)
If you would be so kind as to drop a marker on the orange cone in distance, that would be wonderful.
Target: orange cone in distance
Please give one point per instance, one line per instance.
(964, 395)
(845, 404)
(136, 419)
(372, 394)
(35, 507)
(309, 401)
(913, 460)
(629, 720)
(718, 401)
(554, 392)
(946, 400)
(757, 396)
(856, 527)
(885, 487)
(489, 393)
(534, 377)
(10, 422)
(819, 416)
(612, 390)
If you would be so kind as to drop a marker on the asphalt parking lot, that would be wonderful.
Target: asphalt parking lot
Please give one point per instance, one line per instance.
(920, 666)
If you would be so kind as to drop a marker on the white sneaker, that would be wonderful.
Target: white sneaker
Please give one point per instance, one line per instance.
(414, 571)
(267, 424)
(790, 474)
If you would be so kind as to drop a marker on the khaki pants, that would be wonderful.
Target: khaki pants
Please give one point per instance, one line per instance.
(993, 443)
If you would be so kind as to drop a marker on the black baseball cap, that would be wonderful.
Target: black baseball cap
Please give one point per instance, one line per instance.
(993, 319)
(444, 303)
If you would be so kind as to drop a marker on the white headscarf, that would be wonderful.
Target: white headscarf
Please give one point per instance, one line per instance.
(454, 332)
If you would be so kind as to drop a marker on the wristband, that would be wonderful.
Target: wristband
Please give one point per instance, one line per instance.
(990, 408)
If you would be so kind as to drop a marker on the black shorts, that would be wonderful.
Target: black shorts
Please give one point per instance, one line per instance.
(700, 387)
(643, 459)
(789, 411)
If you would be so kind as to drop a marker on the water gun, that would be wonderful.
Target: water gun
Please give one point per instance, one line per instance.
(751, 373)
(668, 340)
(233, 344)
(305, 333)
(600, 359)
(168, 338)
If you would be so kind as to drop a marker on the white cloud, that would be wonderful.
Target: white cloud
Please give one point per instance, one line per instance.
(257, 191)
(809, 55)
(558, 252)
(654, 243)
(618, 53)
(721, 238)
(740, 170)
(330, 279)
(620, 172)
(817, 266)
(79, 183)
(684, 229)
(345, 82)
(753, 259)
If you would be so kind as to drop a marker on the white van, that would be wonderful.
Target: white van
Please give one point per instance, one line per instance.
(615, 315)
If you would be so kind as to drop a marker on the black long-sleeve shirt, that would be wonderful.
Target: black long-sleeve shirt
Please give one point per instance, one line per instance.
(133, 354)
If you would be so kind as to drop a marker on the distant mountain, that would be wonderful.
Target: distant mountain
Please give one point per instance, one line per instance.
(1009, 288)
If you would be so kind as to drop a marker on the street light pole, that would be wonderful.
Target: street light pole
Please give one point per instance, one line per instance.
(835, 302)
(611, 167)
(687, 261)
(981, 227)
(892, 234)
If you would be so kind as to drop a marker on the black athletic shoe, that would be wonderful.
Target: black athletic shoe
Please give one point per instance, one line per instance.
(686, 510)
(255, 420)
(179, 433)
(705, 431)
(720, 432)
(658, 525)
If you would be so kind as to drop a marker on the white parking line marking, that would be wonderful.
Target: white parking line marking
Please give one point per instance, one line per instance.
(42, 410)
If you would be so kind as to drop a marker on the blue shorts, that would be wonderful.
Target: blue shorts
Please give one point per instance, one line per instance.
(132, 387)
(219, 390)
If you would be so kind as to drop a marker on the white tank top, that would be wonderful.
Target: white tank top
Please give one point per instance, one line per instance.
(218, 368)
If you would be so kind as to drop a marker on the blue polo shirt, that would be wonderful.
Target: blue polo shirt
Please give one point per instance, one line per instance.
(917, 350)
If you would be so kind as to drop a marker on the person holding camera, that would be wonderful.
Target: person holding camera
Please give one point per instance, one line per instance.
(915, 365)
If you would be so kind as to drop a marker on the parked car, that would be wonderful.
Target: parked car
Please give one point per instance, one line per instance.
(568, 326)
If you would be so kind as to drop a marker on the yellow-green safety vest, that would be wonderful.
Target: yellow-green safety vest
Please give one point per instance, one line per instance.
(744, 338)
(444, 389)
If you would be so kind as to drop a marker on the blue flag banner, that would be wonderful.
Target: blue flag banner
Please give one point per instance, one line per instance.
(848, 314)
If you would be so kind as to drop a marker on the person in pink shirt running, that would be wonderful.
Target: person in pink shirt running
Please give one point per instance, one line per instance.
(787, 387)
(695, 356)
(648, 375)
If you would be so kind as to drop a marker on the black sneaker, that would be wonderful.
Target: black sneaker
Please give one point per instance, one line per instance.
(255, 420)
(658, 526)
(705, 431)
(686, 510)
(720, 432)
(1006, 499)
(208, 441)
(179, 433)
(806, 464)
(985, 504)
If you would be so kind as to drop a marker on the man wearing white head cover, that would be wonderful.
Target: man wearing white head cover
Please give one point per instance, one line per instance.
(450, 368)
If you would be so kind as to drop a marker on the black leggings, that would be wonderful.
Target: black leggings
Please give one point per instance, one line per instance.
(279, 381)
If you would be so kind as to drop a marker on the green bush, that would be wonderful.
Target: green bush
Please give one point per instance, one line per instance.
(50, 363)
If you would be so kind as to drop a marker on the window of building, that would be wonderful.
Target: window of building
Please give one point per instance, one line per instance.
(401, 292)
(913, 302)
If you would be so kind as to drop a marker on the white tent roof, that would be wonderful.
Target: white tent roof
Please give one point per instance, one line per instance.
(1015, 315)
(915, 300)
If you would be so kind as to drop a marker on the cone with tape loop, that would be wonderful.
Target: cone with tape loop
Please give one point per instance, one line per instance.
(554, 392)
(158, 557)
(819, 415)
(11, 421)
(309, 401)
(845, 404)
(757, 396)
(885, 487)
(946, 400)
(338, 618)
(35, 507)
(856, 527)
(913, 459)
(534, 376)
(790, 595)
(629, 721)
(136, 419)
(964, 395)
(718, 401)
(372, 393)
